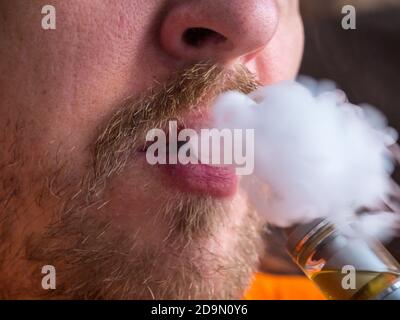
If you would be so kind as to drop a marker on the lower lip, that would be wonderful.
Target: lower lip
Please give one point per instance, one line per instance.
(202, 179)
(216, 181)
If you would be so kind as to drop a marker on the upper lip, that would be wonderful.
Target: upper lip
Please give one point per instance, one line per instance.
(192, 120)
(147, 144)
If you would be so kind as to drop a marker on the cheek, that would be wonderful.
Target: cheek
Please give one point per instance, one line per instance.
(66, 82)
(281, 59)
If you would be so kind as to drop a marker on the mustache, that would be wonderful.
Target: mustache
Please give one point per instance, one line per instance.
(183, 91)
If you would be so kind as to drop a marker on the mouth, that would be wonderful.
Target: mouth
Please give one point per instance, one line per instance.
(203, 179)
(218, 181)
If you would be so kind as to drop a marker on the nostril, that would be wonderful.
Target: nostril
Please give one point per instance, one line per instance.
(199, 37)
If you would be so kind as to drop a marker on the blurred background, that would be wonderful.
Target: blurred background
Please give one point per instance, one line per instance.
(365, 63)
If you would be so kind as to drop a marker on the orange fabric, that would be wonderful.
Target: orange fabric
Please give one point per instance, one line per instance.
(278, 287)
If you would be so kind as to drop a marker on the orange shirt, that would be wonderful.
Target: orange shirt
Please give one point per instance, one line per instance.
(279, 287)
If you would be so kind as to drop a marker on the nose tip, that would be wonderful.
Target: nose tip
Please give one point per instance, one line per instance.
(218, 30)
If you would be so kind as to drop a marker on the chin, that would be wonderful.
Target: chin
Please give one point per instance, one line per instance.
(145, 241)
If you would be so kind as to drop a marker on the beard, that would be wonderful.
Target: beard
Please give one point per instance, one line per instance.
(96, 258)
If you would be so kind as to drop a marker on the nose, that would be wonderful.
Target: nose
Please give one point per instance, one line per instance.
(218, 30)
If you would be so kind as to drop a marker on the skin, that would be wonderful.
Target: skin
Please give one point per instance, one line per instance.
(58, 87)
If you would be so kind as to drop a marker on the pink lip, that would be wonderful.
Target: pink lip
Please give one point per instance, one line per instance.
(216, 181)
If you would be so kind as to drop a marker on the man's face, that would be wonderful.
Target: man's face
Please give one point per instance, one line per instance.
(76, 191)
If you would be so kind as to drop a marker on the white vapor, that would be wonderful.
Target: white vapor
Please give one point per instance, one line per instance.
(316, 154)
